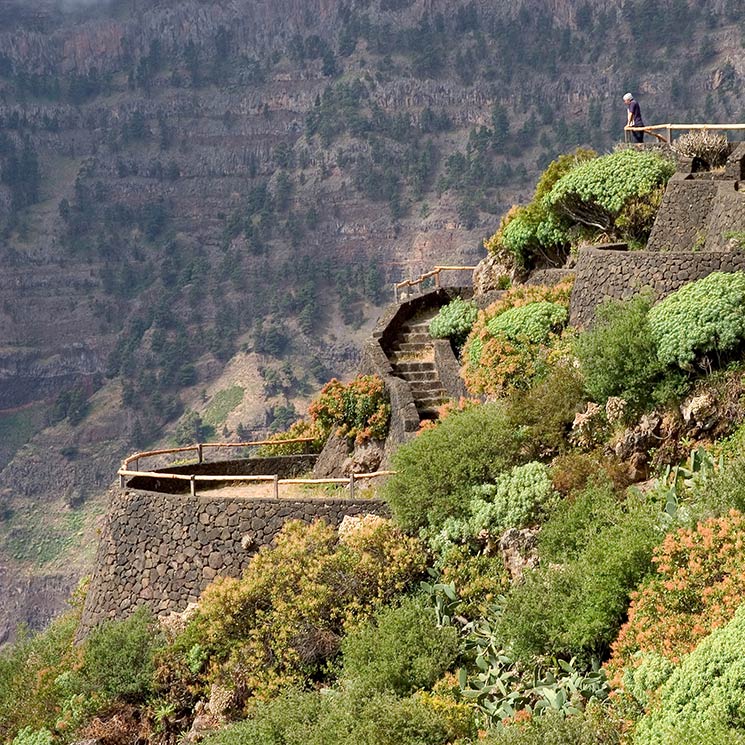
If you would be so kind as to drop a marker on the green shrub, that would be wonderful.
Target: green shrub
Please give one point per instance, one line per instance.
(28, 736)
(649, 671)
(286, 720)
(478, 579)
(515, 500)
(454, 321)
(596, 194)
(281, 624)
(338, 718)
(706, 692)
(532, 231)
(504, 355)
(401, 651)
(722, 493)
(533, 323)
(29, 695)
(575, 608)
(436, 470)
(545, 412)
(357, 410)
(576, 522)
(591, 727)
(118, 657)
(618, 356)
(702, 318)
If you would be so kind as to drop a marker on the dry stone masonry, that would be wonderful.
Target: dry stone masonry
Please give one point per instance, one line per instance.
(697, 232)
(162, 550)
(601, 274)
(701, 209)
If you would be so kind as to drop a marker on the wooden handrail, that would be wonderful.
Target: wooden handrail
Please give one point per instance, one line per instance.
(193, 478)
(670, 128)
(199, 446)
(426, 275)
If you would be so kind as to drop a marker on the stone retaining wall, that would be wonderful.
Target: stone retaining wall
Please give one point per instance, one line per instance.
(621, 274)
(683, 215)
(162, 550)
(699, 209)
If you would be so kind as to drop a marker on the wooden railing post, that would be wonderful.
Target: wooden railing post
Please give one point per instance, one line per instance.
(276, 486)
(122, 481)
(193, 485)
(351, 486)
(200, 452)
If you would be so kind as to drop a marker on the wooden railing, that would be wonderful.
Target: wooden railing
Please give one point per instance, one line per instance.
(126, 472)
(200, 447)
(670, 128)
(428, 275)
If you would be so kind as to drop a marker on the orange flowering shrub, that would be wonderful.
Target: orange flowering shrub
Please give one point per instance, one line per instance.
(699, 584)
(496, 361)
(358, 410)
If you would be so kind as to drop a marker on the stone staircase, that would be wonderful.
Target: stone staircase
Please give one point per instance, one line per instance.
(412, 358)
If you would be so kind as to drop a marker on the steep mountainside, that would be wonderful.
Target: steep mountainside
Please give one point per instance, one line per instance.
(201, 203)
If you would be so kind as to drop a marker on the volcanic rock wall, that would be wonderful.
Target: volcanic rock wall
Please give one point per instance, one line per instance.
(162, 550)
(602, 274)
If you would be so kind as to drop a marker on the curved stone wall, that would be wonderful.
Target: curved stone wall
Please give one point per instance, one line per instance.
(162, 550)
(601, 274)
(404, 416)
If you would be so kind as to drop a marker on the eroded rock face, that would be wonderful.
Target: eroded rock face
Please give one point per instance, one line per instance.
(700, 411)
(331, 461)
(365, 458)
(487, 275)
(519, 551)
(633, 445)
(340, 457)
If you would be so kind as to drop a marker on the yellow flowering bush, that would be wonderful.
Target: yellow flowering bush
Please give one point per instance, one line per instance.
(283, 621)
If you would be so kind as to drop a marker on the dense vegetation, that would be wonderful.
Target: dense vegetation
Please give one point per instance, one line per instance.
(580, 198)
(424, 629)
(121, 211)
(556, 569)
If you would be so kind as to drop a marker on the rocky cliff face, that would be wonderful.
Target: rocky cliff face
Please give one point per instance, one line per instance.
(224, 189)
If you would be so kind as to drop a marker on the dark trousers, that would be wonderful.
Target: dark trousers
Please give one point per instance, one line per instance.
(638, 136)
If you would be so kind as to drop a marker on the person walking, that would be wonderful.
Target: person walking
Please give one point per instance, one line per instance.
(634, 118)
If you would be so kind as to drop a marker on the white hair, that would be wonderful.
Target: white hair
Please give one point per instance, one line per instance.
(628, 97)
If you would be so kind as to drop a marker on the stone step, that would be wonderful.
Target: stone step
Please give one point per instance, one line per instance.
(428, 414)
(404, 360)
(421, 327)
(421, 388)
(415, 337)
(430, 402)
(418, 376)
(410, 347)
(407, 366)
